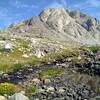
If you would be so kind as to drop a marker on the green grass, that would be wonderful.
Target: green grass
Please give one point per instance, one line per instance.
(58, 55)
(18, 66)
(22, 42)
(11, 60)
(15, 60)
(94, 48)
(34, 60)
(30, 90)
(51, 72)
(4, 67)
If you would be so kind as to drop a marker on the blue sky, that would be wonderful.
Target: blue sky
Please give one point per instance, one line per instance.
(16, 10)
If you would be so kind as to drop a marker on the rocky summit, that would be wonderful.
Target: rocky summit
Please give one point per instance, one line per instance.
(52, 56)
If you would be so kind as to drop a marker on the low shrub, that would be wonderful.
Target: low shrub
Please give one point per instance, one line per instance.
(94, 48)
(8, 88)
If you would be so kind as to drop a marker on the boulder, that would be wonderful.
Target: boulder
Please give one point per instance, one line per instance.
(2, 98)
(8, 46)
(61, 90)
(39, 53)
(18, 96)
(36, 80)
(97, 98)
(46, 81)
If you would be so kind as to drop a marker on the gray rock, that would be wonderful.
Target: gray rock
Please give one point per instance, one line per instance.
(18, 96)
(97, 98)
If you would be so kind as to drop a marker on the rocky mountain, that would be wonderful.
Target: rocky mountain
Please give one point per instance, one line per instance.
(61, 24)
(57, 28)
(44, 57)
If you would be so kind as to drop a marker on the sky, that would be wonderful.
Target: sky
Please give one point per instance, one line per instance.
(12, 11)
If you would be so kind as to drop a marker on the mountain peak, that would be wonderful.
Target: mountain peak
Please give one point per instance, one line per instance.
(61, 24)
(53, 12)
(56, 18)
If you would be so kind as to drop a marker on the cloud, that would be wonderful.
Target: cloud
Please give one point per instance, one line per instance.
(19, 4)
(57, 4)
(93, 3)
(3, 12)
(34, 6)
(89, 4)
(64, 3)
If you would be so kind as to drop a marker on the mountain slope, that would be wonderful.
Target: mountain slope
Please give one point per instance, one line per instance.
(61, 23)
(57, 28)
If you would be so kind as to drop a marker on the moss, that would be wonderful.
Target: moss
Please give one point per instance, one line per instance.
(51, 72)
(8, 88)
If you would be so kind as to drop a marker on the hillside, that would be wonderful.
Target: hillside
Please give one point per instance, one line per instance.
(52, 56)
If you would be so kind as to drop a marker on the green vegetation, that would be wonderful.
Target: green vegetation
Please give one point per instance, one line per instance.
(14, 59)
(18, 66)
(52, 71)
(76, 59)
(8, 88)
(4, 67)
(30, 90)
(58, 55)
(23, 43)
(1, 32)
(79, 59)
(94, 48)
(34, 60)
